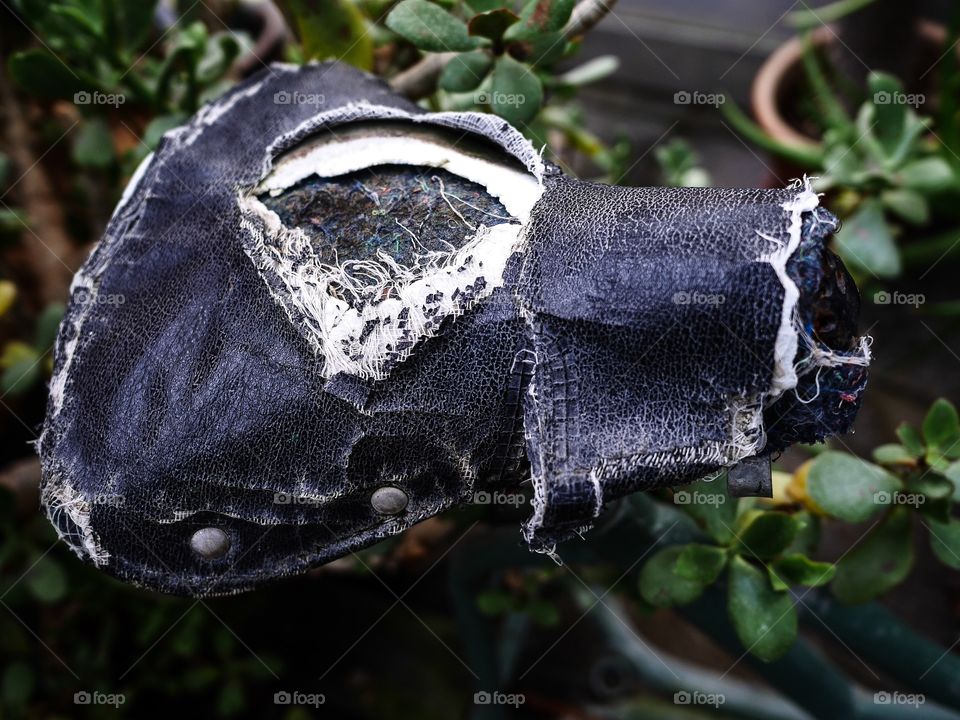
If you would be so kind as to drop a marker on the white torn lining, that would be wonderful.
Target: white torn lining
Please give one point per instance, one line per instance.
(365, 340)
(60, 496)
(785, 348)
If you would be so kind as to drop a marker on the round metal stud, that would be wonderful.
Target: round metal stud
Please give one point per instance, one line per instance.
(389, 500)
(211, 543)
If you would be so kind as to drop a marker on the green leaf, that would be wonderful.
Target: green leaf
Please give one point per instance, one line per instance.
(41, 73)
(765, 620)
(430, 27)
(911, 440)
(766, 534)
(808, 534)
(18, 683)
(791, 570)
(47, 325)
(952, 473)
(662, 586)
(492, 25)
(93, 145)
(46, 581)
(945, 541)
(479, 6)
(893, 454)
(516, 91)
(849, 488)
(466, 71)
(865, 241)
(540, 17)
(334, 30)
(134, 20)
(908, 204)
(927, 175)
(711, 506)
(22, 367)
(941, 429)
(878, 562)
(889, 114)
(931, 485)
(701, 563)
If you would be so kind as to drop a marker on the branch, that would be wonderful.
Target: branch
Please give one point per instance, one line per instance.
(585, 15)
(420, 79)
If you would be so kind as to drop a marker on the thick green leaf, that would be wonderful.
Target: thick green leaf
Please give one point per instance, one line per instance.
(516, 91)
(46, 581)
(929, 175)
(711, 506)
(334, 30)
(701, 563)
(878, 562)
(952, 473)
(539, 17)
(945, 541)
(807, 538)
(865, 241)
(93, 145)
(765, 619)
(540, 50)
(908, 204)
(466, 71)
(479, 6)
(430, 27)
(134, 20)
(849, 488)
(766, 534)
(911, 439)
(40, 73)
(889, 116)
(893, 454)
(791, 570)
(492, 25)
(662, 586)
(47, 325)
(932, 485)
(941, 428)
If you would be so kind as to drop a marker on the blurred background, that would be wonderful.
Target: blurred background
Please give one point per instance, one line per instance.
(838, 597)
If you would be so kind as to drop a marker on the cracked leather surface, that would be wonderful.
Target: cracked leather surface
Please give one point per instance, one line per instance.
(605, 364)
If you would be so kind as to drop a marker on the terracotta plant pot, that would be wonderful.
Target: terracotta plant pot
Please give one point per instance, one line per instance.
(781, 79)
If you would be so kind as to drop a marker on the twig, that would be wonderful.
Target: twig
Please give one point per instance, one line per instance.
(420, 79)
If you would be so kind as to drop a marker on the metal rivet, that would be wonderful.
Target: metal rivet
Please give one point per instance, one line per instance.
(389, 500)
(211, 543)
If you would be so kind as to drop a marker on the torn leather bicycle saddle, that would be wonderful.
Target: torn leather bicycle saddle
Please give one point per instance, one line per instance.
(321, 314)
